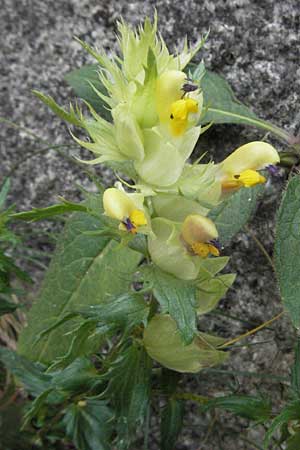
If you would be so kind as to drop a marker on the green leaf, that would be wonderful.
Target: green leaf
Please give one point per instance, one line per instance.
(89, 425)
(44, 213)
(79, 376)
(252, 408)
(30, 374)
(290, 412)
(7, 307)
(4, 191)
(296, 370)
(36, 406)
(72, 117)
(82, 81)
(177, 297)
(287, 250)
(222, 106)
(125, 311)
(171, 423)
(85, 270)
(235, 212)
(129, 389)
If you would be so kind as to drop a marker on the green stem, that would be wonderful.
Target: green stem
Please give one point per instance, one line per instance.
(192, 397)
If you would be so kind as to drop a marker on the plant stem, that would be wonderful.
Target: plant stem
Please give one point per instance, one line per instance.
(253, 331)
(260, 246)
(192, 397)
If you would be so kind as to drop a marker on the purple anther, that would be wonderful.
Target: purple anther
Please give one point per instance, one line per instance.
(188, 87)
(216, 244)
(273, 170)
(128, 224)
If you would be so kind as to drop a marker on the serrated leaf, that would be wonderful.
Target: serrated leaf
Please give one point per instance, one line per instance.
(235, 212)
(30, 374)
(129, 389)
(71, 117)
(50, 211)
(85, 270)
(223, 106)
(126, 310)
(287, 250)
(252, 408)
(82, 81)
(89, 425)
(171, 423)
(79, 376)
(35, 407)
(290, 412)
(177, 297)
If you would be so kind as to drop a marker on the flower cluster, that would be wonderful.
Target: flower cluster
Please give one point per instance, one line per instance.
(156, 111)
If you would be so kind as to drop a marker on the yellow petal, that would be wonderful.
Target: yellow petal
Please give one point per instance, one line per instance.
(254, 155)
(138, 218)
(117, 204)
(249, 178)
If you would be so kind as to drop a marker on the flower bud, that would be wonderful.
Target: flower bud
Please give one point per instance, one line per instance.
(127, 208)
(198, 228)
(164, 344)
(239, 168)
(168, 91)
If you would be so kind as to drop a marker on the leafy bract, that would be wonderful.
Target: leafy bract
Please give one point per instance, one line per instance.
(287, 250)
(85, 270)
(85, 83)
(233, 213)
(177, 297)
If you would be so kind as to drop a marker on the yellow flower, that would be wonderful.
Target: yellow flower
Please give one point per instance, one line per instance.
(199, 234)
(127, 208)
(177, 109)
(240, 168)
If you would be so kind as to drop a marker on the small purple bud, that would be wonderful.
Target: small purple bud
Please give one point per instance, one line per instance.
(216, 244)
(273, 170)
(128, 224)
(188, 87)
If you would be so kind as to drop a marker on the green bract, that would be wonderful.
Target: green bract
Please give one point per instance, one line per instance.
(163, 343)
